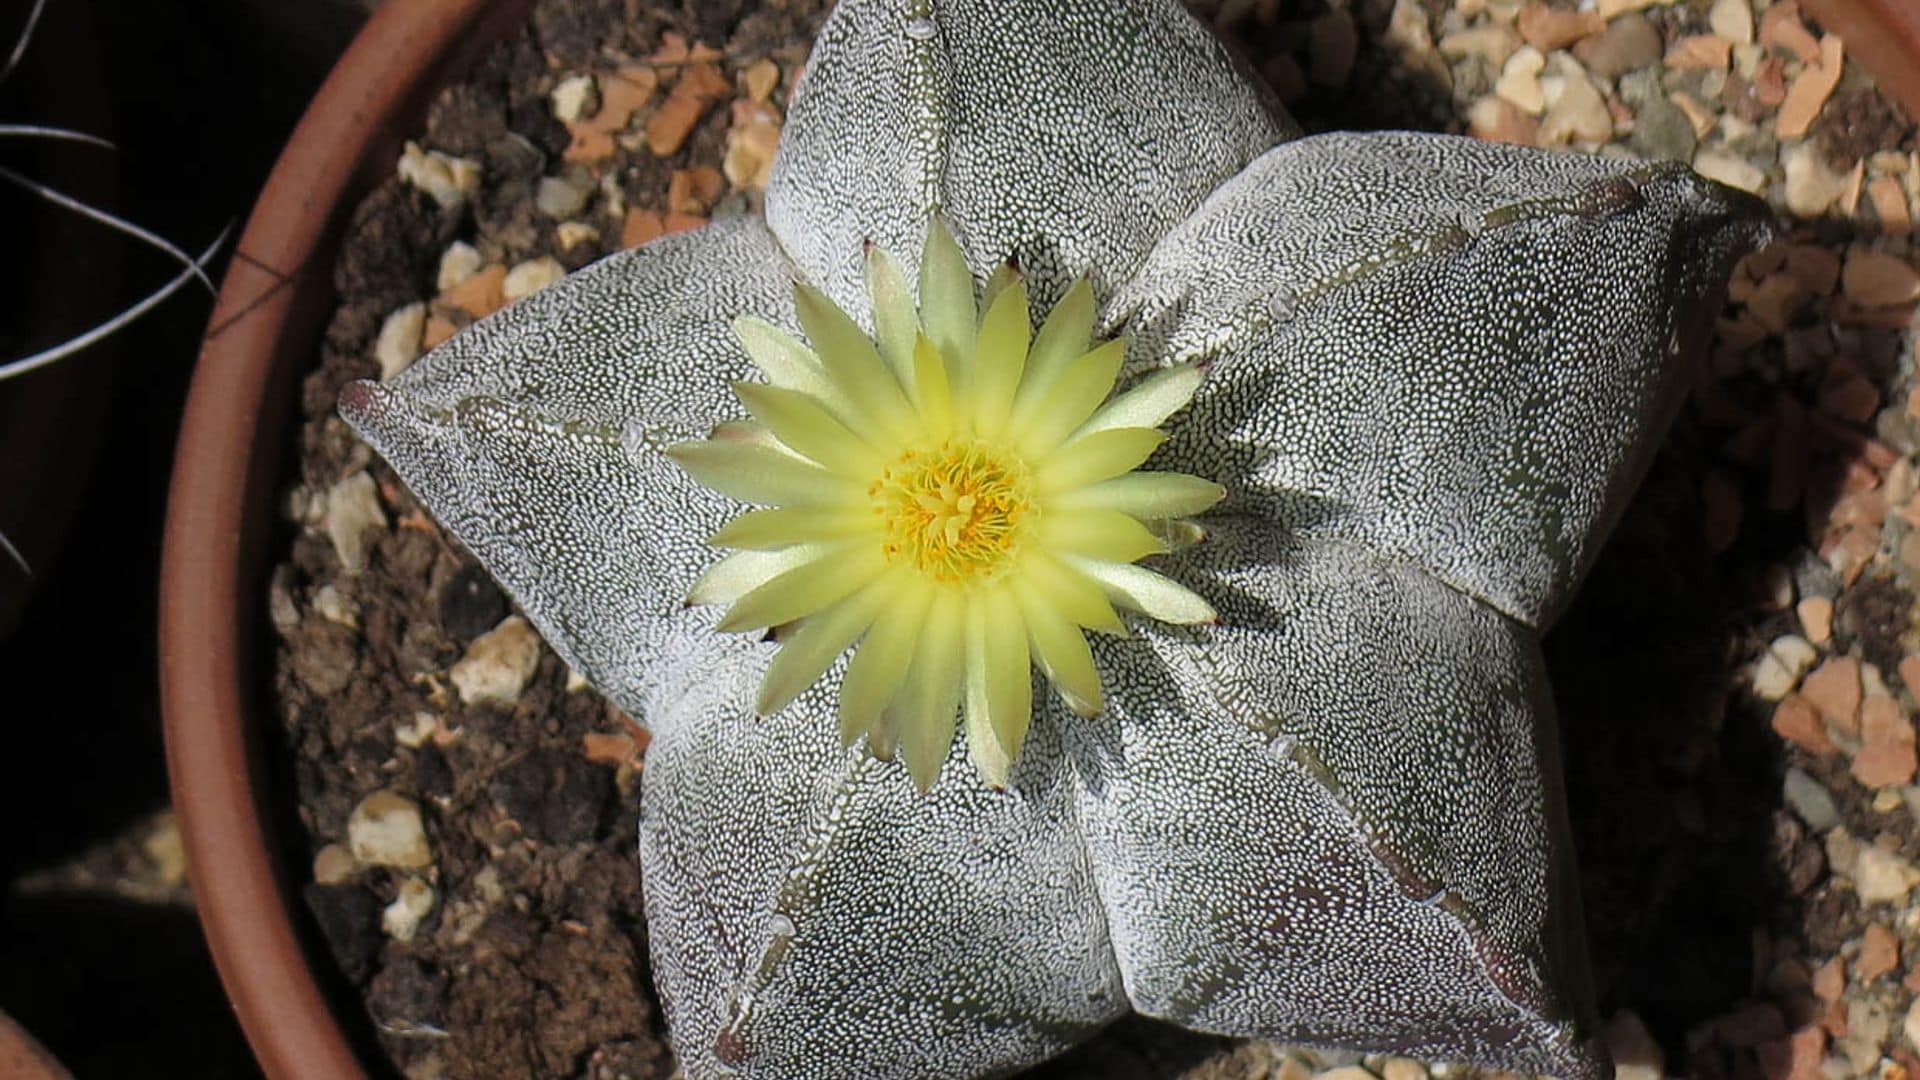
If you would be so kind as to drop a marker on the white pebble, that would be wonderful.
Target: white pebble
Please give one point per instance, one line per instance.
(386, 830)
(1778, 670)
(402, 918)
(1733, 20)
(448, 180)
(334, 865)
(1730, 170)
(459, 262)
(574, 98)
(1519, 82)
(1881, 876)
(531, 276)
(353, 507)
(499, 664)
(399, 342)
(558, 197)
(1812, 187)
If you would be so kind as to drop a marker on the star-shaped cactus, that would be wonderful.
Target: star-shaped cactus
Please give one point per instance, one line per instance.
(1437, 369)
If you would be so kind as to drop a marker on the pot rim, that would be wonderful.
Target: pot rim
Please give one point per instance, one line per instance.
(272, 300)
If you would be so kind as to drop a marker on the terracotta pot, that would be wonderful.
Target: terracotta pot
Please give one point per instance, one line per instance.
(21, 1058)
(264, 332)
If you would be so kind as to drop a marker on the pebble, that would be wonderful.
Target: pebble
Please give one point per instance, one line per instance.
(1491, 42)
(571, 234)
(1798, 722)
(398, 344)
(1703, 119)
(1781, 28)
(1812, 187)
(1886, 755)
(692, 191)
(1911, 1026)
(1834, 689)
(575, 98)
(447, 180)
(1400, 1068)
(1810, 89)
(1497, 120)
(1889, 201)
(334, 865)
(561, 197)
(1816, 267)
(751, 143)
(353, 507)
(1809, 800)
(1333, 47)
(1611, 8)
(1868, 1026)
(1700, 52)
(1879, 953)
(1519, 82)
(1880, 876)
(1578, 112)
(386, 830)
(336, 607)
(1630, 43)
(481, 294)
(1816, 618)
(459, 262)
(1873, 279)
(401, 919)
(499, 664)
(1546, 28)
(1663, 131)
(530, 277)
(1729, 169)
(1779, 668)
(1636, 1053)
(760, 79)
(1733, 20)
(166, 850)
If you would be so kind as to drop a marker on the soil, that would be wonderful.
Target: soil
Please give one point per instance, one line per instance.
(1706, 898)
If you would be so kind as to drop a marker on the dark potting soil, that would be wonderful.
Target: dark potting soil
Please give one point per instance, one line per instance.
(530, 960)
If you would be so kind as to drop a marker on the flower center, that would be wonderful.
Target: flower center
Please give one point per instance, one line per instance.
(954, 511)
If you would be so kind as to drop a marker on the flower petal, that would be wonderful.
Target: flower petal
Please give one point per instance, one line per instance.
(780, 527)
(813, 648)
(1000, 355)
(803, 590)
(879, 665)
(999, 691)
(1099, 534)
(744, 571)
(1444, 349)
(1147, 592)
(1062, 653)
(1100, 456)
(1335, 818)
(929, 703)
(1147, 495)
(853, 365)
(1149, 402)
(762, 475)
(896, 316)
(1069, 592)
(800, 421)
(1073, 397)
(534, 435)
(907, 108)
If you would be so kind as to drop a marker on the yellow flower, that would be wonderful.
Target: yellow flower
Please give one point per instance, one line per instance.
(954, 499)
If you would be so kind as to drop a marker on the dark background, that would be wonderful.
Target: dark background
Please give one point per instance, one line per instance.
(198, 97)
